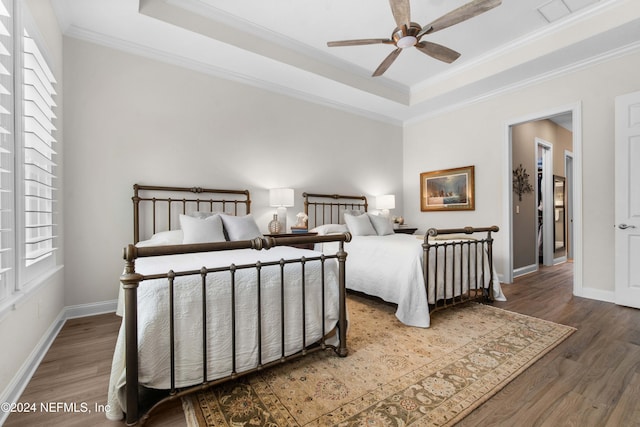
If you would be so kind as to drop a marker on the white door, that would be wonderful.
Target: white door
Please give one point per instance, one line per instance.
(627, 200)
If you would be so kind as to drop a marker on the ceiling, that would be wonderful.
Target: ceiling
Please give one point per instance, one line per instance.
(281, 45)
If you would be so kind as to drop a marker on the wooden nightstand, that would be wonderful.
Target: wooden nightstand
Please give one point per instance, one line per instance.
(301, 245)
(405, 230)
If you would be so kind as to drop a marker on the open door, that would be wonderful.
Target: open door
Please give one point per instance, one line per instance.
(627, 200)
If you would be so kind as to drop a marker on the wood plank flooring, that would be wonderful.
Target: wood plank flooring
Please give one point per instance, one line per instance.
(591, 379)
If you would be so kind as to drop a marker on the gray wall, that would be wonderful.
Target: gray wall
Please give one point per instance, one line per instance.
(136, 120)
(477, 134)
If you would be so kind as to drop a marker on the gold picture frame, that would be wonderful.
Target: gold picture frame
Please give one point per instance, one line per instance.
(448, 190)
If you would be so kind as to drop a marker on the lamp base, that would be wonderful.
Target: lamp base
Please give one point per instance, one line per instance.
(282, 218)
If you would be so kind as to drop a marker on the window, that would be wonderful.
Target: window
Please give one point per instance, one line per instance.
(38, 174)
(27, 156)
(7, 193)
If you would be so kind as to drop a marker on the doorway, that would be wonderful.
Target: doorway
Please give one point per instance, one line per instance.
(567, 216)
(544, 203)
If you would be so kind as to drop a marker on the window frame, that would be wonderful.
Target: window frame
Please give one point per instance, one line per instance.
(22, 278)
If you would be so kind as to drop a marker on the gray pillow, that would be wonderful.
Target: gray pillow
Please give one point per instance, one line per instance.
(359, 225)
(381, 224)
(197, 230)
(240, 227)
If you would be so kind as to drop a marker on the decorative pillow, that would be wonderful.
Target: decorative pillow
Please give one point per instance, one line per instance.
(171, 237)
(240, 227)
(198, 230)
(381, 224)
(329, 229)
(354, 212)
(359, 225)
(202, 214)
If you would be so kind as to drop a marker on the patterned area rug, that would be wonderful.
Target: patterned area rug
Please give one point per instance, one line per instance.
(394, 375)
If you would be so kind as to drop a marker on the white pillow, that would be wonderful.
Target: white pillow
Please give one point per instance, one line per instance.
(381, 224)
(359, 225)
(171, 237)
(329, 229)
(202, 214)
(197, 230)
(240, 227)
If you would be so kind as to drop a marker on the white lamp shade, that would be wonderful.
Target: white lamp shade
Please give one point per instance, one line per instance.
(281, 197)
(388, 201)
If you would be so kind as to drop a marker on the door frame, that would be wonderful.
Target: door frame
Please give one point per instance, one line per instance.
(547, 198)
(576, 111)
(568, 171)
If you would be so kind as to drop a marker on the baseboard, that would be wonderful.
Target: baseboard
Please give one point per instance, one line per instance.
(20, 381)
(598, 294)
(85, 310)
(525, 270)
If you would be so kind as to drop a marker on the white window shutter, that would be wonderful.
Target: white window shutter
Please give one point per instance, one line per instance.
(39, 154)
(7, 147)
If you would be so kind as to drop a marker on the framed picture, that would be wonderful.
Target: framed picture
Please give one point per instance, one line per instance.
(447, 190)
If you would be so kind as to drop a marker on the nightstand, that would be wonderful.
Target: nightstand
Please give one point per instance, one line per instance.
(403, 229)
(301, 245)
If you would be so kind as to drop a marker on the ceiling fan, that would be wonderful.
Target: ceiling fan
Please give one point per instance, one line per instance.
(408, 34)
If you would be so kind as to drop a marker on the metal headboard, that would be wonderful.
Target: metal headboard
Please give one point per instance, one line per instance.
(158, 208)
(328, 208)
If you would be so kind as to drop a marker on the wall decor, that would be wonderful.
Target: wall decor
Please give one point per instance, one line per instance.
(521, 184)
(447, 190)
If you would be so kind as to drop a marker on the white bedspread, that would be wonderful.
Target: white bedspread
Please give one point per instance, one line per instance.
(153, 317)
(390, 267)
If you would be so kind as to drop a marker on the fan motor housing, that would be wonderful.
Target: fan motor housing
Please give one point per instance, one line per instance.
(413, 31)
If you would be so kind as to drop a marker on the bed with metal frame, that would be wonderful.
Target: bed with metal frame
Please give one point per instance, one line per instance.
(456, 263)
(302, 277)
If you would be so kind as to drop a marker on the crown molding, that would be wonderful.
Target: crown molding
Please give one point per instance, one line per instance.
(629, 49)
(205, 68)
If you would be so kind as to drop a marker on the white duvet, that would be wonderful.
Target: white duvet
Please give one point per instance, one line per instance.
(153, 317)
(390, 267)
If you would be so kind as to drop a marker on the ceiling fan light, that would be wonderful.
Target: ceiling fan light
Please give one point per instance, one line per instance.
(407, 41)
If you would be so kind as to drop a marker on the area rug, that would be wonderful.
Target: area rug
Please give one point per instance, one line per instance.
(394, 375)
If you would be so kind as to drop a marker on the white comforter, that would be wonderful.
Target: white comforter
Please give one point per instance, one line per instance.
(153, 317)
(390, 267)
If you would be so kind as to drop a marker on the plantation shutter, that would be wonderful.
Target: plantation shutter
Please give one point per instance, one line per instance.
(7, 245)
(39, 154)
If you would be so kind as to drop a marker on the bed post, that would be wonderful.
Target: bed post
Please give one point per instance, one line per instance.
(342, 321)
(130, 281)
(136, 214)
(490, 255)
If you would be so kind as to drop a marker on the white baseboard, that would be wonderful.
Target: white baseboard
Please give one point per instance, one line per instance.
(85, 310)
(525, 270)
(598, 294)
(20, 381)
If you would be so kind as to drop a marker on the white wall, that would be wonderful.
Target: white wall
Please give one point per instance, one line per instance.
(474, 135)
(26, 329)
(136, 120)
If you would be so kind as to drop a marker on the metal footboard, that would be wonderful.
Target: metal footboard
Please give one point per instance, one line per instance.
(457, 268)
(131, 280)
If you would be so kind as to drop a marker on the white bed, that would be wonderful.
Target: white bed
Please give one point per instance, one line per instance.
(207, 298)
(153, 315)
(390, 267)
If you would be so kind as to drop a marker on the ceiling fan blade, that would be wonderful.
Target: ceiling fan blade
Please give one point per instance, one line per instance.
(386, 63)
(359, 42)
(438, 51)
(460, 14)
(401, 13)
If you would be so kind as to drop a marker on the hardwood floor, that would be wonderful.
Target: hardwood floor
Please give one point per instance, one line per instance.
(591, 379)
